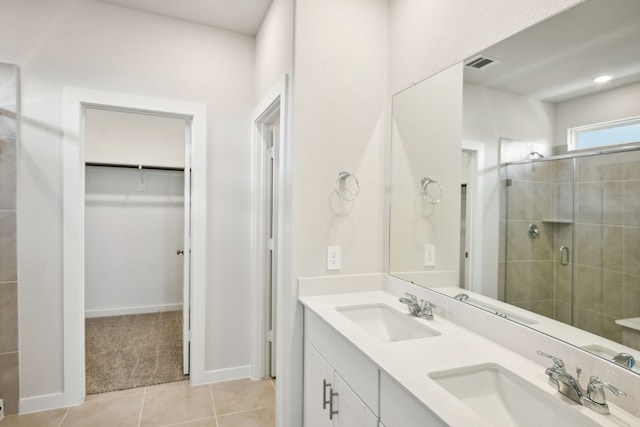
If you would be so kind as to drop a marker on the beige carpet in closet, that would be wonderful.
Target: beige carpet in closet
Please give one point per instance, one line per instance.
(132, 351)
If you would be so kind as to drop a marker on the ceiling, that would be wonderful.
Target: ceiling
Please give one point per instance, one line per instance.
(557, 59)
(241, 16)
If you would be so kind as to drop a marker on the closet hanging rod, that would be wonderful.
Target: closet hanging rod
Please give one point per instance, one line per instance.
(119, 165)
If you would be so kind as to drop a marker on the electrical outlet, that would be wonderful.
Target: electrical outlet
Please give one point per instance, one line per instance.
(429, 255)
(334, 258)
(1, 409)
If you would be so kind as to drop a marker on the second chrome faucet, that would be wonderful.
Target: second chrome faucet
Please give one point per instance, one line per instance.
(593, 397)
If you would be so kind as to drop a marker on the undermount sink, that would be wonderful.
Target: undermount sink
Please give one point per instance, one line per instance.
(503, 398)
(385, 323)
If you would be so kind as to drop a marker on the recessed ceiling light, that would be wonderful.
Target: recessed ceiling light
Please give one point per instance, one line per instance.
(602, 79)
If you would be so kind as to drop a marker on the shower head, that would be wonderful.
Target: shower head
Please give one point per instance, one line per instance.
(535, 155)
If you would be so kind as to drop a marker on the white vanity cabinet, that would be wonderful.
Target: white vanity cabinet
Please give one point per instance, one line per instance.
(328, 400)
(338, 378)
(398, 408)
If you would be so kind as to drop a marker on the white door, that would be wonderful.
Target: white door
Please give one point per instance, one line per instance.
(271, 279)
(186, 252)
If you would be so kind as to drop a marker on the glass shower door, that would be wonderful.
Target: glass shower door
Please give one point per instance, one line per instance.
(537, 237)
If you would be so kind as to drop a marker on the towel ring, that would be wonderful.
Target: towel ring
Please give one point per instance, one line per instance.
(424, 191)
(341, 183)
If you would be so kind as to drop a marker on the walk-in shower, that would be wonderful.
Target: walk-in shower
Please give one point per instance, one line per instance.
(582, 266)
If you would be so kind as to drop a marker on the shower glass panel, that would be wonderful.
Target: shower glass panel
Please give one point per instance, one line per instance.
(570, 239)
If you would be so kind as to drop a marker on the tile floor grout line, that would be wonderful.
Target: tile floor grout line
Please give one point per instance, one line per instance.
(97, 399)
(144, 395)
(179, 423)
(64, 417)
(246, 410)
(213, 402)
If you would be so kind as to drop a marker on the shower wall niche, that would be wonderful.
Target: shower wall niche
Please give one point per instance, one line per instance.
(582, 267)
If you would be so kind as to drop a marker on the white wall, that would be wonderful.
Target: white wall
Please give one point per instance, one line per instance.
(131, 239)
(98, 46)
(274, 58)
(427, 119)
(274, 46)
(123, 137)
(341, 117)
(489, 115)
(614, 104)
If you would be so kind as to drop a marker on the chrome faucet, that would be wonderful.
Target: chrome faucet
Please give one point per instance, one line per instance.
(462, 297)
(593, 397)
(419, 309)
(624, 359)
(563, 381)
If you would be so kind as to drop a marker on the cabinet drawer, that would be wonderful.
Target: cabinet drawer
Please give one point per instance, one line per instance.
(354, 366)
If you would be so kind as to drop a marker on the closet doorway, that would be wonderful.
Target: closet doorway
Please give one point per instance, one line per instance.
(137, 233)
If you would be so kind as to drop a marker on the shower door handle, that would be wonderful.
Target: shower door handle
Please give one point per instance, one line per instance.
(564, 255)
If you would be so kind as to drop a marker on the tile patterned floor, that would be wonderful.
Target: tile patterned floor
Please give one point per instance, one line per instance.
(241, 403)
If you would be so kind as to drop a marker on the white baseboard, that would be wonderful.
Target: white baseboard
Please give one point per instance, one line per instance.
(60, 400)
(120, 311)
(44, 402)
(220, 375)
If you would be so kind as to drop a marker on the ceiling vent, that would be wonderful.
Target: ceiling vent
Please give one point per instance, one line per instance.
(481, 63)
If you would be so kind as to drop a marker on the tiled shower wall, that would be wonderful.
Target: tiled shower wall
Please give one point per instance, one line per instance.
(528, 262)
(607, 254)
(9, 383)
(604, 253)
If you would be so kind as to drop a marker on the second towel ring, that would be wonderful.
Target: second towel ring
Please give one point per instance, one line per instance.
(425, 190)
(341, 182)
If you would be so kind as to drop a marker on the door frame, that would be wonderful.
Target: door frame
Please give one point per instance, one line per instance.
(475, 214)
(274, 105)
(73, 184)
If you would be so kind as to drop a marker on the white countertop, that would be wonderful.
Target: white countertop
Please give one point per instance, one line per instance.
(597, 345)
(409, 362)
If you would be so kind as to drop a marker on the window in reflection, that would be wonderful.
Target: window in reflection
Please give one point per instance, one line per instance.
(605, 134)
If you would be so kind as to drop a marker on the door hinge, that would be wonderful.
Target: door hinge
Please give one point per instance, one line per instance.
(272, 152)
(269, 336)
(508, 182)
(270, 244)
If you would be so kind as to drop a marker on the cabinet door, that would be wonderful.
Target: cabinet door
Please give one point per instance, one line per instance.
(352, 412)
(317, 374)
(398, 408)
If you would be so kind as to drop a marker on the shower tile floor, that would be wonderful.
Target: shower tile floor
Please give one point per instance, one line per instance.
(241, 403)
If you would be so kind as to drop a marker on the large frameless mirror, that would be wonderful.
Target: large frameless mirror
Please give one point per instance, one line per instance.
(544, 183)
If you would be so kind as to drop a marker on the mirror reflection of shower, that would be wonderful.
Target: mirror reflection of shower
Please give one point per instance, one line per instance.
(581, 268)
